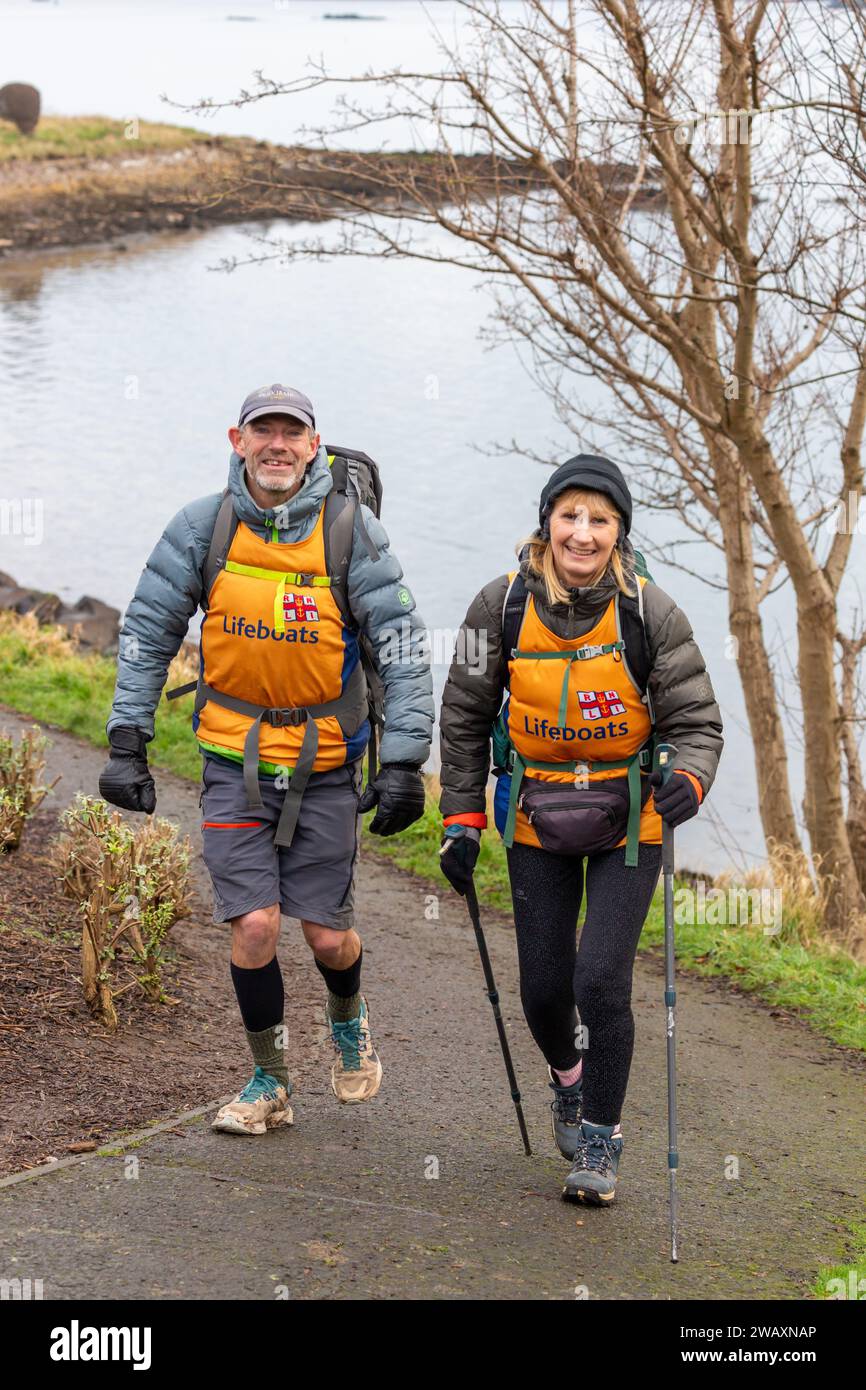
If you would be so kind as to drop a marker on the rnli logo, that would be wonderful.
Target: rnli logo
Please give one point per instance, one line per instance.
(600, 704)
(300, 608)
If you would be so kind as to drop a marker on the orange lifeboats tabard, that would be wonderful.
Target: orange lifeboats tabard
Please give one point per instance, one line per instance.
(274, 636)
(606, 716)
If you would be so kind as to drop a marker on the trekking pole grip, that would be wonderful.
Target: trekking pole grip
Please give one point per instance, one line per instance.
(663, 762)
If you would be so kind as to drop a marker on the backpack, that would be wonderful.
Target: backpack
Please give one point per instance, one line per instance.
(356, 481)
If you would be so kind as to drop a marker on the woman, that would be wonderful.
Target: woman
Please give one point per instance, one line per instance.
(597, 665)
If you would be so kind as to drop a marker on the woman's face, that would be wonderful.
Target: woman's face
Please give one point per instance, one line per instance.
(582, 537)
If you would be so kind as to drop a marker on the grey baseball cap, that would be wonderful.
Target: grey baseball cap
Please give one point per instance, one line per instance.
(277, 400)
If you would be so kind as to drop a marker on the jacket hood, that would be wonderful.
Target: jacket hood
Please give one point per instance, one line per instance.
(586, 602)
(306, 503)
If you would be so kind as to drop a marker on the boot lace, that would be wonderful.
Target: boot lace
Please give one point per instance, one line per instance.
(566, 1107)
(594, 1155)
(260, 1085)
(348, 1041)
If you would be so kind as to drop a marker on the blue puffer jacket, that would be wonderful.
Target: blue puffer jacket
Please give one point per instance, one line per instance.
(169, 590)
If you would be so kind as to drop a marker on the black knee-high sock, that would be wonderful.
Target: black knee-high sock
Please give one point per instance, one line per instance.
(261, 1000)
(344, 989)
(260, 995)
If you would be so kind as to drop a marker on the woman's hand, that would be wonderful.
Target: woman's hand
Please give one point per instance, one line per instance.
(676, 800)
(458, 856)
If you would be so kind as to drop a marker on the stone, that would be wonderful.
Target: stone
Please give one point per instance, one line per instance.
(20, 103)
(98, 622)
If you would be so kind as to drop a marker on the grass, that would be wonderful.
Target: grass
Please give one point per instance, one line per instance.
(43, 673)
(93, 137)
(823, 986)
(417, 851)
(846, 1281)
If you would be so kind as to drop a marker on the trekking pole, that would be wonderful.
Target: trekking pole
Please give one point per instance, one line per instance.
(666, 753)
(493, 996)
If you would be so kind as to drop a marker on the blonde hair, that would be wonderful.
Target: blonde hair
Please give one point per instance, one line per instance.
(540, 559)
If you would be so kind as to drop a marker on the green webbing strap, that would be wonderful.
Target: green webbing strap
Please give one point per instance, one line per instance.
(518, 767)
(634, 810)
(349, 707)
(579, 654)
(643, 758)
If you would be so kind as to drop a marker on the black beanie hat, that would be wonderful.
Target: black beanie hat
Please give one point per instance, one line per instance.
(593, 473)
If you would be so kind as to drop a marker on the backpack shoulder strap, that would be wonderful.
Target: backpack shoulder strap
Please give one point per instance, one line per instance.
(345, 464)
(220, 543)
(513, 610)
(342, 504)
(223, 534)
(338, 527)
(631, 620)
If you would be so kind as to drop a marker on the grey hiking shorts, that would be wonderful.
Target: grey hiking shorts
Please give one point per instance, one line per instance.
(314, 877)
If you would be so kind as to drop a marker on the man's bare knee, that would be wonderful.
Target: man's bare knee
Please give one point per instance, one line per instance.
(255, 936)
(330, 946)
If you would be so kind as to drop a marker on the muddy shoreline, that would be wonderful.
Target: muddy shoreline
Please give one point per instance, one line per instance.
(80, 200)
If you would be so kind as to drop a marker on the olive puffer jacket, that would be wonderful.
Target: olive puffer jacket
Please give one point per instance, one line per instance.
(685, 707)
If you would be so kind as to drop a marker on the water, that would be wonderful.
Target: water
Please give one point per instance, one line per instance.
(120, 372)
(128, 53)
(120, 58)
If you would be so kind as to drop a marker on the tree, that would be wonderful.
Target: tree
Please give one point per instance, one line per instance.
(660, 211)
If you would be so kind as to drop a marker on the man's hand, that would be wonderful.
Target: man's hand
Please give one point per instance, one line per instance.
(676, 800)
(398, 792)
(126, 780)
(458, 856)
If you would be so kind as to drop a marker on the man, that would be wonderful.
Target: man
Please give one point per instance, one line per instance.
(282, 720)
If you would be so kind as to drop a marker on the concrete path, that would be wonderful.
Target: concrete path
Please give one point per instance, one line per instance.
(425, 1192)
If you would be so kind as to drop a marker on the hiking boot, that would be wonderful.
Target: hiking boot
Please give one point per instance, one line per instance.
(566, 1115)
(263, 1104)
(357, 1073)
(593, 1173)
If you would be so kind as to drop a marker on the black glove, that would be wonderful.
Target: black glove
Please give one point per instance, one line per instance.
(458, 856)
(398, 791)
(676, 801)
(126, 780)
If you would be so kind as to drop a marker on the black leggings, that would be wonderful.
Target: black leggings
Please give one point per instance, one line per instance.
(557, 976)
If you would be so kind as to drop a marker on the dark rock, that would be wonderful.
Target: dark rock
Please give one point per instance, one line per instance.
(44, 606)
(20, 103)
(98, 622)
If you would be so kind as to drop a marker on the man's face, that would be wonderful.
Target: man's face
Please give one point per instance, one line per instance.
(276, 450)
